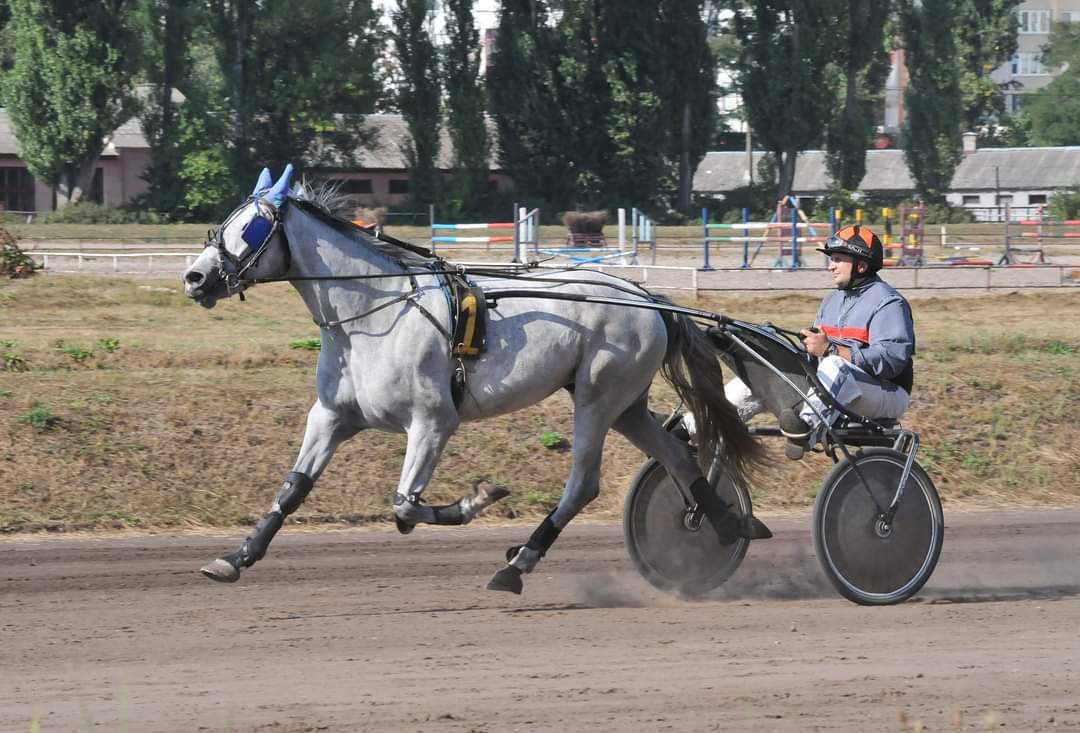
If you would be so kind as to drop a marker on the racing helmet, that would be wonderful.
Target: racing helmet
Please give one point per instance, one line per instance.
(859, 242)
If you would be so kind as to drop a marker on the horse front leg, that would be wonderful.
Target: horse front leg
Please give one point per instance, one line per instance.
(423, 450)
(324, 433)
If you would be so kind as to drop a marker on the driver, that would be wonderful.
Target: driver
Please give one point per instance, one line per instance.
(864, 337)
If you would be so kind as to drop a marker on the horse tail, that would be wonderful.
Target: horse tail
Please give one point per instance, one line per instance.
(692, 366)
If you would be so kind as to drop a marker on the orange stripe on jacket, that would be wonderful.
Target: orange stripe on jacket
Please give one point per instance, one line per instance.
(854, 334)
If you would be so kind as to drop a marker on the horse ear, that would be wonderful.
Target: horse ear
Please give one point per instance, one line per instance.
(265, 181)
(277, 194)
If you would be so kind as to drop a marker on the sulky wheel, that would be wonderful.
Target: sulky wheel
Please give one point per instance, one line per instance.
(671, 547)
(871, 562)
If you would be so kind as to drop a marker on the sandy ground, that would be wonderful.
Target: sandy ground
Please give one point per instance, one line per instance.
(367, 630)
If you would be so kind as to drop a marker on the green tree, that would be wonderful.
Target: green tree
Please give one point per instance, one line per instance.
(691, 79)
(786, 48)
(71, 85)
(985, 38)
(932, 145)
(167, 27)
(297, 78)
(863, 65)
(531, 118)
(418, 96)
(630, 53)
(465, 103)
(1053, 112)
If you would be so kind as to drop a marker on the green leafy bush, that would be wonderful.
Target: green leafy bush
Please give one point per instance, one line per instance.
(108, 344)
(40, 417)
(553, 441)
(88, 212)
(12, 361)
(13, 261)
(1065, 204)
(306, 344)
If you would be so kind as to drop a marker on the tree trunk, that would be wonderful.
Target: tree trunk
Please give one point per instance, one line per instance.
(686, 175)
(75, 183)
(786, 172)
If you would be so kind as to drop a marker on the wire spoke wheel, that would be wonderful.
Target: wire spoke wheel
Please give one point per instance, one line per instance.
(869, 561)
(674, 548)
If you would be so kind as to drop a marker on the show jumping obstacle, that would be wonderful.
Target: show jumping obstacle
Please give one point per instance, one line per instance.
(786, 235)
(522, 232)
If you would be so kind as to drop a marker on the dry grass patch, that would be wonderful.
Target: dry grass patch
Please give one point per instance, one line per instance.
(181, 417)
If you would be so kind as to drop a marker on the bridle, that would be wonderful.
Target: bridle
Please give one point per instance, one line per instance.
(256, 234)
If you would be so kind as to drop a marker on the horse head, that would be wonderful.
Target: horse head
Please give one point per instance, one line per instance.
(248, 246)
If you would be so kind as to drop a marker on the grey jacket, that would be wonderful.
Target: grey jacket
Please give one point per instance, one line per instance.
(874, 320)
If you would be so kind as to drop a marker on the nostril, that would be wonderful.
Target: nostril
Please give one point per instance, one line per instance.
(194, 277)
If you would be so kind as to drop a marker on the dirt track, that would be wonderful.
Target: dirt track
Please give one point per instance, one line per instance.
(366, 630)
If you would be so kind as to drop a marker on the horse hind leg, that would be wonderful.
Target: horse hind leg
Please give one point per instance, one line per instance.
(582, 487)
(639, 427)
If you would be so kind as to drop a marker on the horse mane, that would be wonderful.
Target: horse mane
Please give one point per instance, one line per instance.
(325, 203)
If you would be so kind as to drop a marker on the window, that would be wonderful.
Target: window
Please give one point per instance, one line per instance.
(16, 189)
(972, 199)
(1036, 198)
(1004, 199)
(1015, 102)
(351, 186)
(399, 185)
(1033, 21)
(1027, 64)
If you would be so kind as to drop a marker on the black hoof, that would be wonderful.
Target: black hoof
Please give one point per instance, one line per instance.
(508, 579)
(403, 527)
(755, 529)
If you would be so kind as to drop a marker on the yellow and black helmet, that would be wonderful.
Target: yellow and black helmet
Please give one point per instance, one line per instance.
(857, 241)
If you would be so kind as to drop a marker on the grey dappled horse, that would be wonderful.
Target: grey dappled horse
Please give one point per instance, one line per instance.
(387, 363)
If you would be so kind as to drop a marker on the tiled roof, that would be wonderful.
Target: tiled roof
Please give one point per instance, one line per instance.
(391, 131)
(886, 170)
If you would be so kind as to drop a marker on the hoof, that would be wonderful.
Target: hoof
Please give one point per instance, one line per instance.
(222, 571)
(403, 527)
(491, 492)
(755, 529)
(508, 579)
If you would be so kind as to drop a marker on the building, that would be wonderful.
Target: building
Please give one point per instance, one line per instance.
(986, 181)
(379, 176)
(117, 178)
(1024, 72)
(375, 177)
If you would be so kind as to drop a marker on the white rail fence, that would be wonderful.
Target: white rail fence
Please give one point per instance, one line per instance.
(655, 277)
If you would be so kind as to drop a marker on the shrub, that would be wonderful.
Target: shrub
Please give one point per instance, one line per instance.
(553, 441)
(108, 344)
(12, 361)
(13, 261)
(585, 222)
(87, 212)
(1065, 204)
(306, 344)
(40, 417)
(74, 352)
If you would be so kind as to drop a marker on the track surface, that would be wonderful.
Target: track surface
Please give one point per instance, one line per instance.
(366, 630)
